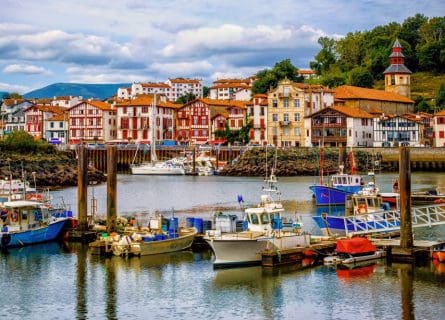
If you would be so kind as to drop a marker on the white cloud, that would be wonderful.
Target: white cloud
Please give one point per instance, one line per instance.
(26, 69)
(13, 88)
(228, 38)
(182, 69)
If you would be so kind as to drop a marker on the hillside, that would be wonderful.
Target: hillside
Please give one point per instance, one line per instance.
(423, 84)
(98, 91)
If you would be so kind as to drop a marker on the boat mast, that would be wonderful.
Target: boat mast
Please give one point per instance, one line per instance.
(153, 157)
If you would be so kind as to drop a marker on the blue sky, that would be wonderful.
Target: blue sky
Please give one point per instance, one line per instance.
(110, 41)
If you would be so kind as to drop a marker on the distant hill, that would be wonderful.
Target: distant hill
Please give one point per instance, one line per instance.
(98, 91)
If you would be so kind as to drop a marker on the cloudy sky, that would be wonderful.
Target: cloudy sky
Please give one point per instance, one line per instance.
(110, 41)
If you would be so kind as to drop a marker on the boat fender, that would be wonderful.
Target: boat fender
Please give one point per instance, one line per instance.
(362, 208)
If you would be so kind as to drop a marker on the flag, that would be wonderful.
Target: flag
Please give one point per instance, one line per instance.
(240, 198)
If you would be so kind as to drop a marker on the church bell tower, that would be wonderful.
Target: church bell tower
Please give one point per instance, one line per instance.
(397, 75)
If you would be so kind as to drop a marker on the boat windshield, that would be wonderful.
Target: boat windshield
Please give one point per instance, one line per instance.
(254, 218)
(265, 218)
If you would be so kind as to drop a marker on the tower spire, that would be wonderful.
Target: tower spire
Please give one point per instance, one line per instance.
(397, 75)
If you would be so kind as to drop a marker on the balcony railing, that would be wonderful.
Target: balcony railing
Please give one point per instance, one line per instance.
(284, 123)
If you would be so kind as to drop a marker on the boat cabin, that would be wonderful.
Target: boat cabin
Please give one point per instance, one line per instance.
(22, 215)
(343, 179)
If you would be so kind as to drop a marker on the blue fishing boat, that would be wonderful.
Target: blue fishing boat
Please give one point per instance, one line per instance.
(27, 222)
(340, 186)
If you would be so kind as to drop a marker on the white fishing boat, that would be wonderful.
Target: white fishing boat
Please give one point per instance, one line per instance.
(155, 166)
(264, 232)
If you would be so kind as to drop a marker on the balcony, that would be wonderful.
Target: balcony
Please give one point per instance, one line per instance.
(259, 126)
(329, 125)
(284, 123)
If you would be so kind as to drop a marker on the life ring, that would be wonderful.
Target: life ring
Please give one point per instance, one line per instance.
(34, 196)
(362, 208)
(14, 216)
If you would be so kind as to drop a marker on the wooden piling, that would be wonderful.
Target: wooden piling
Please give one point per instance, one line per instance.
(82, 187)
(111, 187)
(405, 252)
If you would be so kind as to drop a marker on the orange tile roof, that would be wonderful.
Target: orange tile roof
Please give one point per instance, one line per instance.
(59, 117)
(440, 113)
(155, 85)
(169, 104)
(312, 87)
(11, 102)
(306, 71)
(231, 85)
(352, 112)
(224, 103)
(100, 105)
(219, 81)
(351, 92)
(49, 108)
(184, 80)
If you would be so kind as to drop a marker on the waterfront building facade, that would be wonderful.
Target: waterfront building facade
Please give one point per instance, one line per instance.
(439, 129)
(198, 120)
(134, 119)
(339, 126)
(394, 131)
(257, 113)
(56, 128)
(92, 121)
(14, 121)
(36, 117)
(288, 104)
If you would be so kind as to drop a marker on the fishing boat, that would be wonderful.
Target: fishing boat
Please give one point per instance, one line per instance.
(148, 244)
(354, 250)
(155, 166)
(341, 185)
(154, 240)
(264, 232)
(28, 222)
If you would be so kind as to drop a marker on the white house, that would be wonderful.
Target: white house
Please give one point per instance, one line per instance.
(339, 126)
(439, 129)
(391, 131)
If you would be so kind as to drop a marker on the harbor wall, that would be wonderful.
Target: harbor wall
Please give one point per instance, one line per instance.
(422, 159)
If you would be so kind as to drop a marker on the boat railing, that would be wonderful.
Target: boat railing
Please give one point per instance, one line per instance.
(386, 221)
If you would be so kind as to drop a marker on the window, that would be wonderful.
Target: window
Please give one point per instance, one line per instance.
(296, 117)
(286, 117)
(51, 124)
(274, 117)
(60, 124)
(262, 111)
(274, 103)
(285, 103)
(297, 131)
(296, 103)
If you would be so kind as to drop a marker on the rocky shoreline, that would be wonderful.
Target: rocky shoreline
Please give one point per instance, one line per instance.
(51, 170)
(294, 162)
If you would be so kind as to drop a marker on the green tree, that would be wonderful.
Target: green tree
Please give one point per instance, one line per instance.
(15, 95)
(351, 50)
(431, 46)
(333, 77)
(422, 105)
(440, 97)
(269, 78)
(186, 98)
(326, 57)
(361, 77)
(205, 91)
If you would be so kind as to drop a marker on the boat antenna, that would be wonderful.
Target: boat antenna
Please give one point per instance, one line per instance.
(10, 179)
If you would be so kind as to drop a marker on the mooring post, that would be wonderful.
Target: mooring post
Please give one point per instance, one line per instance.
(406, 232)
(194, 159)
(82, 187)
(111, 187)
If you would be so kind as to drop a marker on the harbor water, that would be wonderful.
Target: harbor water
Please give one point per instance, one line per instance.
(64, 281)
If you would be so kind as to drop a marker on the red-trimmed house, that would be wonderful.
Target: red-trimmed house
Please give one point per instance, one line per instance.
(36, 117)
(257, 114)
(134, 118)
(198, 120)
(92, 121)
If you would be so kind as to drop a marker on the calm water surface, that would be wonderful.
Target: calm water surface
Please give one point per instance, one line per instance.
(54, 281)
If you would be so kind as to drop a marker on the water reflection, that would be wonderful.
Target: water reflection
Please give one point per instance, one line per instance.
(81, 284)
(406, 283)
